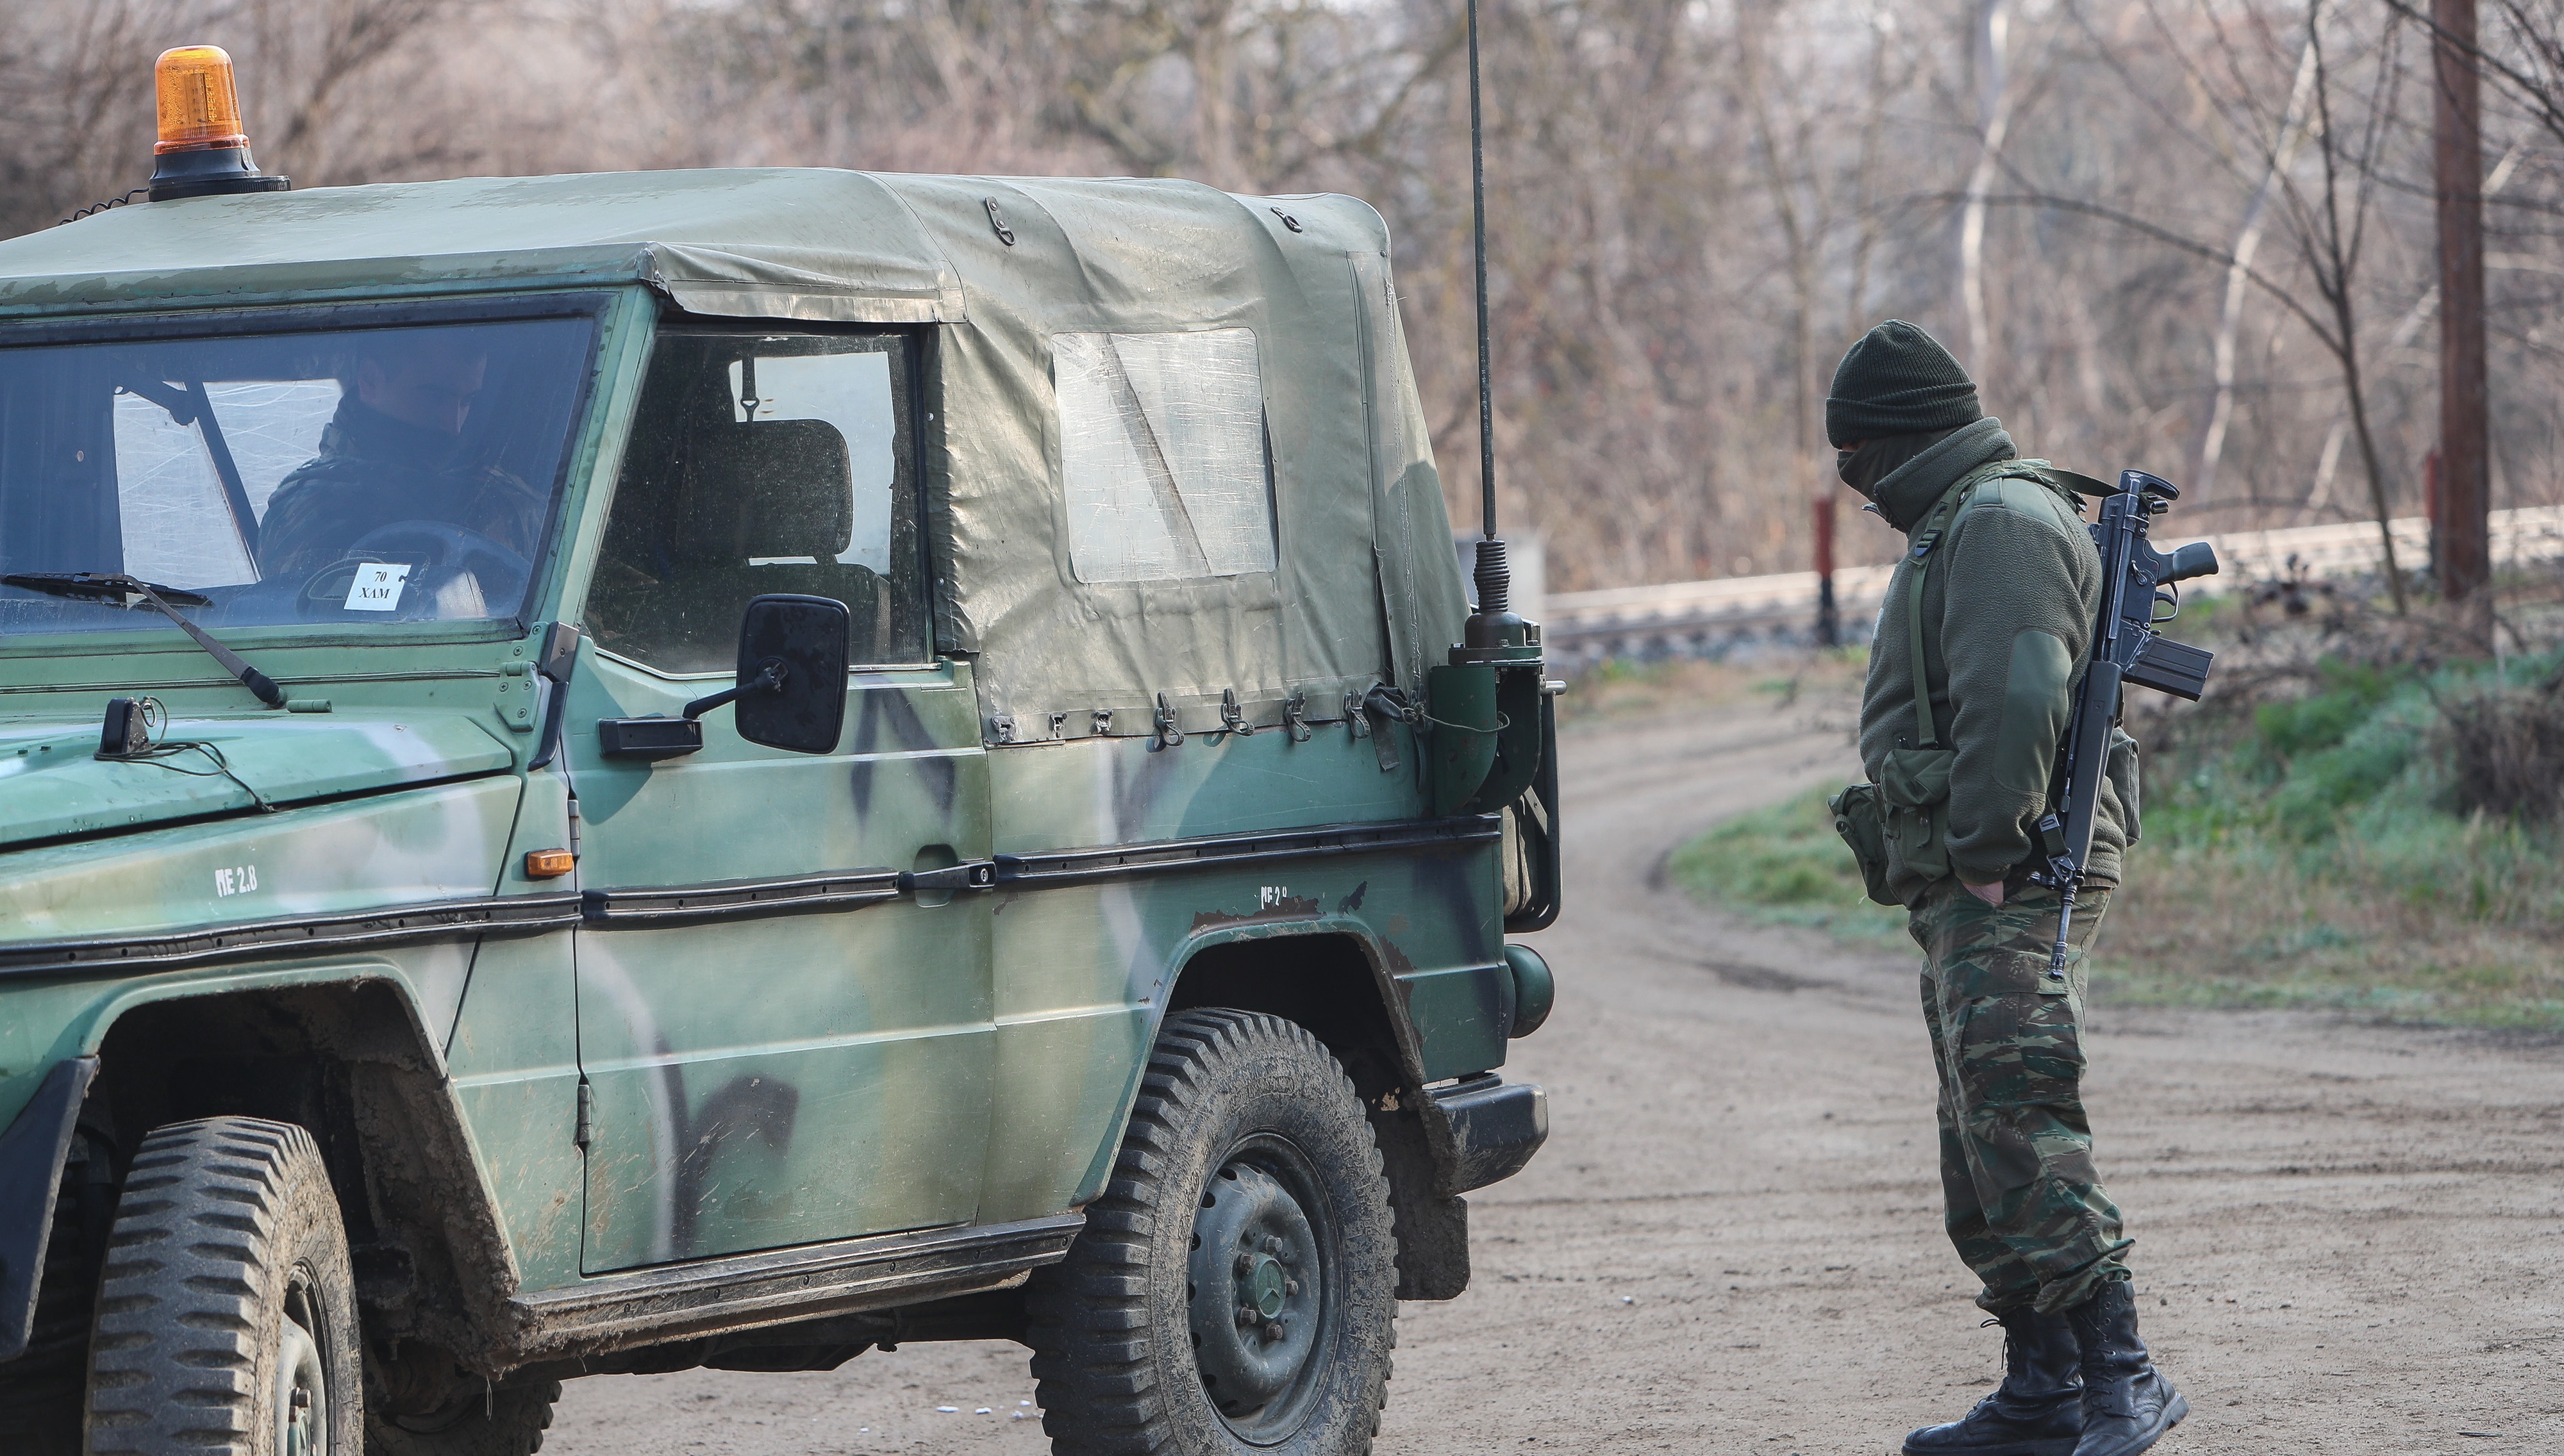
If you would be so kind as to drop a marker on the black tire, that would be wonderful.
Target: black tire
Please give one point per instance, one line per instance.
(226, 1313)
(1246, 1131)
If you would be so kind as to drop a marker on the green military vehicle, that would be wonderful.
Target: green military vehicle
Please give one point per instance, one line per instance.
(607, 774)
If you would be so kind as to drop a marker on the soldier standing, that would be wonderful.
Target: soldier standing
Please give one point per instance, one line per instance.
(1988, 620)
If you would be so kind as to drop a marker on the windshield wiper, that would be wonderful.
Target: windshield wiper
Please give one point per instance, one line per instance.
(100, 585)
(94, 585)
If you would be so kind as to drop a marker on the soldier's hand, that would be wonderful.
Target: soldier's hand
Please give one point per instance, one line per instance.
(1989, 893)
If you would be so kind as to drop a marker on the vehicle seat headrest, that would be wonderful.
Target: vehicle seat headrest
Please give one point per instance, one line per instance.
(768, 488)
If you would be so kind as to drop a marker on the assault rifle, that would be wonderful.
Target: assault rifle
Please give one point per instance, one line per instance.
(2135, 578)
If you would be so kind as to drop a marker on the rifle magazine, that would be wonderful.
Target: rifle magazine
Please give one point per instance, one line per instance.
(2171, 667)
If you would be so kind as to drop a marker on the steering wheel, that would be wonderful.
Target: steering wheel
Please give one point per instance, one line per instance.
(438, 554)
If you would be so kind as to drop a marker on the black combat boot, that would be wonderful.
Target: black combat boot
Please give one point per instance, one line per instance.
(2037, 1411)
(2127, 1404)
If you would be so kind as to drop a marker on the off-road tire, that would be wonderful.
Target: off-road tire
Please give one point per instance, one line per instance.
(1113, 1328)
(498, 1423)
(224, 1225)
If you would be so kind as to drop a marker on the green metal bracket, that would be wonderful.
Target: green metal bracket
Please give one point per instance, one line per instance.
(1460, 701)
(1517, 739)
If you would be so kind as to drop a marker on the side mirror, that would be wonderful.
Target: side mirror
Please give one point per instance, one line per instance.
(792, 687)
(809, 637)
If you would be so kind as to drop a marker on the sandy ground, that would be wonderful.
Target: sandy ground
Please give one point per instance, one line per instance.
(2347, 1235)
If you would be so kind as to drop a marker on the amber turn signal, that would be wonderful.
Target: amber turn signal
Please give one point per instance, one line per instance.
(549, 864)
(199, 103)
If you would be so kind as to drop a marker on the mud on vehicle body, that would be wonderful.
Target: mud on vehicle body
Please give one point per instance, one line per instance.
(836, 753)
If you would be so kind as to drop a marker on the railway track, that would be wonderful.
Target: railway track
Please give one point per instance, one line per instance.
(1731, 615)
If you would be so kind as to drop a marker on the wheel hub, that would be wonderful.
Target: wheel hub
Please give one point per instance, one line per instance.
(1255, 1298)
(1263, 1288)
(302, 1382)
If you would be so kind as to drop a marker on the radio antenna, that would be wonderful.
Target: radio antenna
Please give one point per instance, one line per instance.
(1494, 575)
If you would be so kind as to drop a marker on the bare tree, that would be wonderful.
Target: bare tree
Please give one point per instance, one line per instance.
(2156, 229)
(1991, 38)
(2332, 244)
(2239, 274)
(2327, 217)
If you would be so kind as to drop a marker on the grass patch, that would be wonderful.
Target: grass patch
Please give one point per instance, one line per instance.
(2321, 838)
(1621, 689)
(1784, 866)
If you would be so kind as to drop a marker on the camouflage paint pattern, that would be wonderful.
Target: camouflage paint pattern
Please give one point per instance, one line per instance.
(790, 1078)
(57, 787)
(1082, 969)
(45, 1020)
(411, 846)
(2024, 1204)
(511, 1059)
(756, 1081)
(513, 1065)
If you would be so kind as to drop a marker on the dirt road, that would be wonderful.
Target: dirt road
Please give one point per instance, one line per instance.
(2348, 1236)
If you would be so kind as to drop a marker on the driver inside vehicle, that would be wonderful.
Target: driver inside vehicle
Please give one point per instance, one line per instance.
(399, 451)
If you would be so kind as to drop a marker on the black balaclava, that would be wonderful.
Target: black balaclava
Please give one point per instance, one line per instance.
(1876, 459)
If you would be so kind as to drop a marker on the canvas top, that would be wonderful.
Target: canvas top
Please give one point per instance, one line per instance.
(1061, 306)
(769, 243)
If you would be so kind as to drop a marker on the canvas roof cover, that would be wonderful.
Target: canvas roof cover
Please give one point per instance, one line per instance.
(774, 244)
(1068, 410)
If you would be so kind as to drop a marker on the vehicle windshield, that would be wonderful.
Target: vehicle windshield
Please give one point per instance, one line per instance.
(347, 477)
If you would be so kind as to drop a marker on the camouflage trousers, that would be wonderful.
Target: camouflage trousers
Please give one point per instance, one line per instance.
(2025, 1206)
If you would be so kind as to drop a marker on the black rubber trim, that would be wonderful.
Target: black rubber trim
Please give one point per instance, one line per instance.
(1081, 866)
(723, 900)
(741, 1292)
(496, 915)
(209, 317)
(31, 1168)
(1496, 1126)
(740, 899)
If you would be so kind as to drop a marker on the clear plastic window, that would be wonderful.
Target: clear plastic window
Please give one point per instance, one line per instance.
(1162, 455)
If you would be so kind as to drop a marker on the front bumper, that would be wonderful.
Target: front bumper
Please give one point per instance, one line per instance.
(1496, 1126)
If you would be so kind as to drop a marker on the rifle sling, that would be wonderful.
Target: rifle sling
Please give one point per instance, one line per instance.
(1940, 524)
(1927, 735)
(1943, 518)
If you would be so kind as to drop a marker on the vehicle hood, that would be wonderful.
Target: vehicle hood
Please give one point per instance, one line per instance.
(53, 784)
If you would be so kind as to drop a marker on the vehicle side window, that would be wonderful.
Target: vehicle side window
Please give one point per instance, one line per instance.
(763, 462)
(1162, 455)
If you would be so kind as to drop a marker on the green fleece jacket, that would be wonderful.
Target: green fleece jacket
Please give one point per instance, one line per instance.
(2008, 601)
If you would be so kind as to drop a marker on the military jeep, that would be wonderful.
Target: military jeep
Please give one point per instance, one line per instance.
(608, 774)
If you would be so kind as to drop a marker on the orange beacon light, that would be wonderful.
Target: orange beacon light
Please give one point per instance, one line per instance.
(199, 103)
(203, 149)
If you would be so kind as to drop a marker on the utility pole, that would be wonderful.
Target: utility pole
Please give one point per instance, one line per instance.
(2461, 540)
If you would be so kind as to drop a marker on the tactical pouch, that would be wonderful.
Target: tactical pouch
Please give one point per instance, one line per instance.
(2121, 769)
(1914, 788)
(1863, 828)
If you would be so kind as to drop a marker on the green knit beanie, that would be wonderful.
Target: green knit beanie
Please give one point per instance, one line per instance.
(1899, 381)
